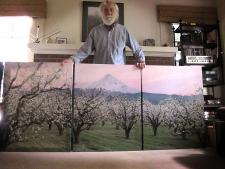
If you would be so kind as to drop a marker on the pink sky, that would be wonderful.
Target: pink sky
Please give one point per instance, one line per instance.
(182, 80)
(89, 73)
(46, 69)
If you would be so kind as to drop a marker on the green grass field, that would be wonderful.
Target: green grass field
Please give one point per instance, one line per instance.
(47, 141)
(105, 138)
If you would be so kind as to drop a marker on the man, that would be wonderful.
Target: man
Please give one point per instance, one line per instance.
(108, 40)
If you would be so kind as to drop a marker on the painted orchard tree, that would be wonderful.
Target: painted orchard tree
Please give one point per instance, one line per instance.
(185, 117)
(104, 112)
(196, 108)
(26, 101)
(56, 106)
(154, 115)
(125, 113)
(87, 111)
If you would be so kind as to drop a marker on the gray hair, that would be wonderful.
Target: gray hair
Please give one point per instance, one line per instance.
(105, 3)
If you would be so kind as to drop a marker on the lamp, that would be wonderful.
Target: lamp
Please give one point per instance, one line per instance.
(38, 38)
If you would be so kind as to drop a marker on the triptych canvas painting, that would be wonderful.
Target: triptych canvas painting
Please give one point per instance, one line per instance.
(56, 107)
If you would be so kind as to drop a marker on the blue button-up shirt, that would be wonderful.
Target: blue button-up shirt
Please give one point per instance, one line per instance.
(109, 45)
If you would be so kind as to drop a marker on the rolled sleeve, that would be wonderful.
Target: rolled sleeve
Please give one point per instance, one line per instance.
(135, 47)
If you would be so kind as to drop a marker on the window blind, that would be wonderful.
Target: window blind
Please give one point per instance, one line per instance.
(191, 14)
(32, 8)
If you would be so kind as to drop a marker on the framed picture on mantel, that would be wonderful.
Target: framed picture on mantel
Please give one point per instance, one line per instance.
(91, 16)
(60, 40)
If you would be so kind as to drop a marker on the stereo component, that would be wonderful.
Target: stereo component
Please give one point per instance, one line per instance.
(199, 60)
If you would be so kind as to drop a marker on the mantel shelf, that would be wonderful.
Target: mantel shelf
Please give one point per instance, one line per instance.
(70, 49)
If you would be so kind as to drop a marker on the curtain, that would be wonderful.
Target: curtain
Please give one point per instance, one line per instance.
(191, 14)
(32, 8)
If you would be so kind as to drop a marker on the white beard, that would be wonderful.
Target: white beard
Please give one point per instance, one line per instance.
(109, 20)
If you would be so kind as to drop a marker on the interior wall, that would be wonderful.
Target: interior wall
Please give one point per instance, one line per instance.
(64, 16)
(144, 24)
(140, 19)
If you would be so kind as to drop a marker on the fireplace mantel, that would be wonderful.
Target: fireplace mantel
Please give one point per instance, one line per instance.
(70, 49)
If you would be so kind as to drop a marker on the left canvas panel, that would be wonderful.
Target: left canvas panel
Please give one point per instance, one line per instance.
(36, 107)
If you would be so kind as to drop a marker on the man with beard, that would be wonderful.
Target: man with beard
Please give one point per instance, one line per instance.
(108, 40)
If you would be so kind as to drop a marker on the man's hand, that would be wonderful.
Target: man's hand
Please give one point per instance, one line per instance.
(69, 60)
(141, 65)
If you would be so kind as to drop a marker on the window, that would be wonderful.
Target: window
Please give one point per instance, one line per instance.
(14, 37)
(177, 35)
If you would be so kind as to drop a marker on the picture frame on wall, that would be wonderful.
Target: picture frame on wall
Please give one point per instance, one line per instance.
(91, 16)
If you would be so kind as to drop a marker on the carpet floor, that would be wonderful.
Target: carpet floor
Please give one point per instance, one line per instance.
(154, 159)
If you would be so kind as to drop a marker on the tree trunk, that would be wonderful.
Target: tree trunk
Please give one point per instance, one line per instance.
(50, 126)
(201, 138)
(155, 129)
(184, 135)
(117, 126)
(60, 129)
(76, 137)
(127, 133)
(4, 136)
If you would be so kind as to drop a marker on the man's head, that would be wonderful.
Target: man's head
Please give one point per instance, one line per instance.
(109, 12)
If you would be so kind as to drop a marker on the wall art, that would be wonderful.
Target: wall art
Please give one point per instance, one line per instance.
(173, 107)
(107, 108)
(91, 16)
(37, 107)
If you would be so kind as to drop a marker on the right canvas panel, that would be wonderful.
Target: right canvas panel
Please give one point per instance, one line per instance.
(173, 107)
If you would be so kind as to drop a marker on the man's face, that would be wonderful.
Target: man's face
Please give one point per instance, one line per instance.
(109, 10)
(109, 14)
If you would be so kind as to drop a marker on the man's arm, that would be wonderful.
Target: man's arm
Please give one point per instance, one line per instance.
(85, 50)
(136, 49)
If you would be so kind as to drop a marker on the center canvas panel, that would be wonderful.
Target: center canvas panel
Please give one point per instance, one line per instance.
(107, 108)
(37, 107)
(173, 107)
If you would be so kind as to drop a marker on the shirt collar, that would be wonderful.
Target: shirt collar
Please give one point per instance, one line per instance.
(110, 27)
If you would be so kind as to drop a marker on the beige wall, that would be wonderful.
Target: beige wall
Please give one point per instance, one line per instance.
(143, 23)
(140, 19)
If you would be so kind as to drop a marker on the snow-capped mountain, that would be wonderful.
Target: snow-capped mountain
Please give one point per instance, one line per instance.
(110, 83)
